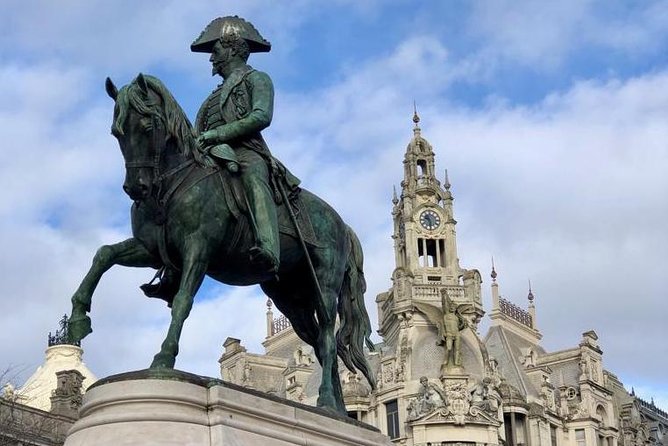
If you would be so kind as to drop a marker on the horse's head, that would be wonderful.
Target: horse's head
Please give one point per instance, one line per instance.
(152, 131)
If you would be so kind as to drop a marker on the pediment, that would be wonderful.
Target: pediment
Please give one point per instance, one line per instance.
(446, 416)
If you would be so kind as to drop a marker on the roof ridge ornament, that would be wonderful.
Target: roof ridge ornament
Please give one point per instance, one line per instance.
(530, 296)
(416, 120)
(62, 335)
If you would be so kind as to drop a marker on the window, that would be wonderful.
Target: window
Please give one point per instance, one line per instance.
(601, 413)
(352, 414)
(580, 437)
(515, 429)
(520, 430)
(441, 251)
(421, 168)
(431, 252)
(553, 435)
(392, 412)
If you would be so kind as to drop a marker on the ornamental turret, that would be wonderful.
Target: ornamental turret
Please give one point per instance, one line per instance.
(425, 242)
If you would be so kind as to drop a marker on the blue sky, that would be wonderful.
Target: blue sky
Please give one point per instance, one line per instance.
(551, 118)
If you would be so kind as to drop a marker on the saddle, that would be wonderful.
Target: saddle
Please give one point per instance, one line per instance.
(280, 177)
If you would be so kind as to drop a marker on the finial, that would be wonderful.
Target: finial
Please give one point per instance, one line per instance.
(395, 200)
(530, 296)
(493, 271)
(633, 391)
(416, 118)
(447, 181)
(269, 304)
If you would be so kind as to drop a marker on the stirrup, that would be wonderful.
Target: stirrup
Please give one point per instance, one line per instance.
(164, 289)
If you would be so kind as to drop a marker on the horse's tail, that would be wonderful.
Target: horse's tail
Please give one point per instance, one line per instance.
(355, 326)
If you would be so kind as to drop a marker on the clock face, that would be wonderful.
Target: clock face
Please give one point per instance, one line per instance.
(430, 219)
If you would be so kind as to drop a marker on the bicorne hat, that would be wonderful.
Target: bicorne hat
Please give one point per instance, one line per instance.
(230, 25)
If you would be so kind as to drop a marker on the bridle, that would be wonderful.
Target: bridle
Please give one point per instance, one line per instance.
(157, 150)
(158, 144)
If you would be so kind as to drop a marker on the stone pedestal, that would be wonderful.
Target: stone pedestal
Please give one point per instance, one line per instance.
(166, 408)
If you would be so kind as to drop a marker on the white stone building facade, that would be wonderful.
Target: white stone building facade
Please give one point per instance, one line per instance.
(500, 388)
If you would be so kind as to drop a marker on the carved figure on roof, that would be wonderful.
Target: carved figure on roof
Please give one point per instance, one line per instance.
(453, 323)
(584, 368)
(9, 392)
(484, 396)
(430, 398)
(450, 323)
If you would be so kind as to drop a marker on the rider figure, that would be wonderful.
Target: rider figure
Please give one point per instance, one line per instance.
(231, 118)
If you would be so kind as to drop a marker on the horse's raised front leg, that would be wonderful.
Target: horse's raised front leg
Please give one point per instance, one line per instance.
(127, 253)
(194, 270)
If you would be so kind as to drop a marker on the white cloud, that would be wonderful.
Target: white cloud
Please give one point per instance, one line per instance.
(125, 37)
(568, 192)
(544, 34)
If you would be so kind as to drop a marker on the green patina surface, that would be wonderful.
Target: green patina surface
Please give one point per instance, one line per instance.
(208, 201)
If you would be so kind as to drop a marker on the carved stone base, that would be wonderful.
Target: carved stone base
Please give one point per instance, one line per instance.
(436, 434)
(454, 371)
(152, 407)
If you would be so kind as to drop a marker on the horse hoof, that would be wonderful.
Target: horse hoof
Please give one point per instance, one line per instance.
(162, 362)
(79, 328)
(329, 405)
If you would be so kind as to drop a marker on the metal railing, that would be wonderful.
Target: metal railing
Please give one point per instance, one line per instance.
(279, 324)
(513, 311)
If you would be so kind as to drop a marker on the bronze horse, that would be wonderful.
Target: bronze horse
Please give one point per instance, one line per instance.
(185, 218)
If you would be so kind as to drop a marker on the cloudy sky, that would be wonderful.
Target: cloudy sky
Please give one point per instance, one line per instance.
(551, 118)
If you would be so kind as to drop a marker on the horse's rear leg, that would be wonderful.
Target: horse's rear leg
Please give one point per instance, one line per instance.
(127, 253)
(297, 301)
(194, 270)
(329, 396)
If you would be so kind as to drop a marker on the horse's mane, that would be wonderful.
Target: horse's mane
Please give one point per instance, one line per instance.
(174, 118)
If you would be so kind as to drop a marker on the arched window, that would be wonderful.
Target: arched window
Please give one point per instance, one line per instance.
(602, 414)
(421, 168)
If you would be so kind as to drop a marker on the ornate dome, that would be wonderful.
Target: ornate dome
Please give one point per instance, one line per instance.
(511, 394)
(354, 388)
(419, 146)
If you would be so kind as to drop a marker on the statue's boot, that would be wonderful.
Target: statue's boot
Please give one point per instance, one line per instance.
(265, 254)
(166, 288)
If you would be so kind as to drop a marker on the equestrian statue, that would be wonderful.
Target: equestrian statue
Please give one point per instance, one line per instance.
(212, 200)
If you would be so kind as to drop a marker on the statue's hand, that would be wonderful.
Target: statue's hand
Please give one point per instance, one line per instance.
(207, 139)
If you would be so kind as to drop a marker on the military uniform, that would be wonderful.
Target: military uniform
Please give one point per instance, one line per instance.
(239, 109)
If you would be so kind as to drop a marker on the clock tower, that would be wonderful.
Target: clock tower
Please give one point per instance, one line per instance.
(425, 246)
